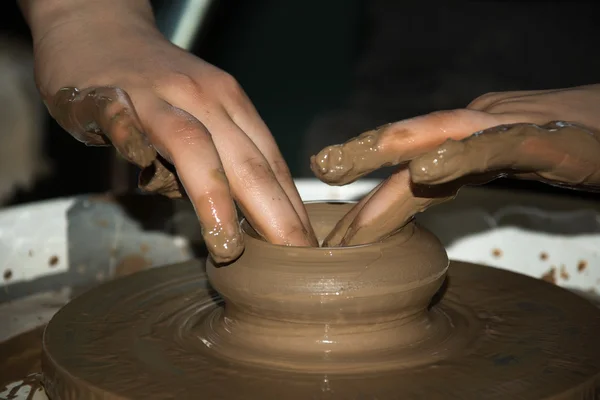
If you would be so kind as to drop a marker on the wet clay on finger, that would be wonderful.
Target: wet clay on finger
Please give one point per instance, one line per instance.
(99, 116)
(559, 153)
(386, 321)
(342, 164)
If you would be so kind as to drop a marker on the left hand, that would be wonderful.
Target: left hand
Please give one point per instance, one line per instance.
(514, 136)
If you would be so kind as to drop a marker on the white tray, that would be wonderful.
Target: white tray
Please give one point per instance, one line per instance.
(34, 244)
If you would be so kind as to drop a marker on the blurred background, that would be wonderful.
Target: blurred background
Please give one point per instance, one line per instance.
(319, 72)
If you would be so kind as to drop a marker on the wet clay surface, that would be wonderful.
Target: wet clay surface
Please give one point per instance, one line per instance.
(378, 321)
(138, 338)
(100, 116)
(364, 307)
(558, 153)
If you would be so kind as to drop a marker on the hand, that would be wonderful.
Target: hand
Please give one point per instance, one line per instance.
(499, 134)
(115, 79)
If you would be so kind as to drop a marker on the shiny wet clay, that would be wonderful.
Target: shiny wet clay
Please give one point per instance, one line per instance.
(336, 309)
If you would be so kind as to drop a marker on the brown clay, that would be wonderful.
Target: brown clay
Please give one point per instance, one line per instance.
(287, 306)
(326, 323)
(558, 153)
(99, 116)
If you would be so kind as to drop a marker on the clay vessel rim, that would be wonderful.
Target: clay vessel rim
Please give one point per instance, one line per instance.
(248, 236)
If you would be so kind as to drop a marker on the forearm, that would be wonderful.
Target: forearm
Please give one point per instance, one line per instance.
(42, 16)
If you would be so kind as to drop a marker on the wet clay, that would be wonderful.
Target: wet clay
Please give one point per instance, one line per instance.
(99, 116)
(558, 153)
(355, 323)
(106, 115)
(365, 307)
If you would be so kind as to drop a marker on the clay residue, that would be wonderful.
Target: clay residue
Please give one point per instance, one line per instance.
(563, 273)
(558, 153)
(159, 178)
(7, 274)
(131, 264)
(344, 163)
(140, 336)
(53, 261)
(101, 116)
(550, 276)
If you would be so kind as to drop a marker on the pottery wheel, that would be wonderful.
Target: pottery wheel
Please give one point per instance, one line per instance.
(142, 337)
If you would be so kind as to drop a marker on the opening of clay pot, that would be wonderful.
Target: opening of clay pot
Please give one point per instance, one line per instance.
(302, 304)
(323, 216)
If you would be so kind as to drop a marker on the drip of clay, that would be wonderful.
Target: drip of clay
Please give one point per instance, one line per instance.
(325, 323)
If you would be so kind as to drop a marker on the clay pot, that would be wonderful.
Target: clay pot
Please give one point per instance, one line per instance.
(302, 303)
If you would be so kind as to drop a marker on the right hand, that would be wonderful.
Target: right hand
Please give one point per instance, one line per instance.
(120, 81)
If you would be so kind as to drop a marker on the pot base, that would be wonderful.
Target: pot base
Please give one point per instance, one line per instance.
(159, 334)
(443, 331)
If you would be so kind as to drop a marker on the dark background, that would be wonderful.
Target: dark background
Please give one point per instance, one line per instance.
(320, 72)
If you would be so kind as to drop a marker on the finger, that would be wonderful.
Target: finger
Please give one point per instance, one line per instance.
(484, 102)
(190, 147)
(243, 113)
(65, 108)
(335, 237)
(259, 194)
(396, 143)
(158, 178)
(391, 208)
(558, 152)
(251, 179)
(97, 115)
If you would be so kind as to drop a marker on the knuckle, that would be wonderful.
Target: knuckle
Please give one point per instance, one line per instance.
(451, 117)
(180, 84)
(281, 170)
(231, 87)
(398, 183)
(116, 112)
(254, 171)
(295, 231)
(187, 131)
(500, 107)
(115, 93)
(482, 102)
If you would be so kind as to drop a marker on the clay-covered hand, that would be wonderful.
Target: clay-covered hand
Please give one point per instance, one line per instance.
(108, 76)
(552, 136)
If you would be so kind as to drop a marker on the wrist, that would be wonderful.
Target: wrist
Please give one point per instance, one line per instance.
(45, 16)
